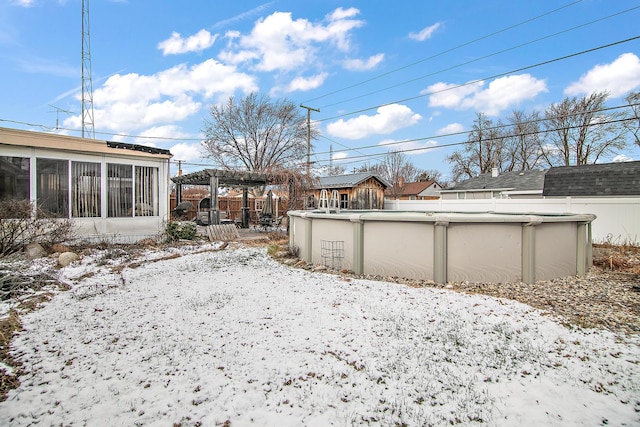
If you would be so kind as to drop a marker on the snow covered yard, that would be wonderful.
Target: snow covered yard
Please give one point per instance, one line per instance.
(232, 337)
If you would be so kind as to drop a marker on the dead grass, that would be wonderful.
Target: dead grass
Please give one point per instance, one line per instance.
(9, 380)
(620, 258)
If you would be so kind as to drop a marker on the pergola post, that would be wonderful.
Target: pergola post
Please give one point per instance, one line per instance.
(215, 178)
(214, 216)
(245, 207)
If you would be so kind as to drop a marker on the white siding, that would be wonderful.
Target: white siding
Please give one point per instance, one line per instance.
(618, 219)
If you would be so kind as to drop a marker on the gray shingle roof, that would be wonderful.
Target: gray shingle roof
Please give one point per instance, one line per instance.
(606, 179)
(515, 181)
(350, 180)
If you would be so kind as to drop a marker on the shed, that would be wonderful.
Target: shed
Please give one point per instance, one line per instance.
(363, 190)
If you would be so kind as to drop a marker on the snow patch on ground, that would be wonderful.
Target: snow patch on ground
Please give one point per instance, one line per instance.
(232, 335)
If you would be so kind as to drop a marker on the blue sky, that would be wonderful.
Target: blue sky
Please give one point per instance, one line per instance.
(376, 70)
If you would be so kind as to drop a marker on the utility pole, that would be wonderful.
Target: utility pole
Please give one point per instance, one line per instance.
(331, 158)
(309, 136)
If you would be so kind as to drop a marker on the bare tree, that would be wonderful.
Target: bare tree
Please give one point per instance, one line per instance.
(580, 132)
(395, 168)
(430, 175)
(257, 134)
(483, 151)
(522, 142)
(633, 124)
(335, 170)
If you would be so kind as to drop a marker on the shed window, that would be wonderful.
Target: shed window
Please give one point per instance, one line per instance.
(85, 189)
(462, 196)
(344, 201)
(119, 190)
(52, 188)
(14, 178)
(146, 191)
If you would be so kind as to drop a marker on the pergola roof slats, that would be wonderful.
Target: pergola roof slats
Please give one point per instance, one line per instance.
(225, 178)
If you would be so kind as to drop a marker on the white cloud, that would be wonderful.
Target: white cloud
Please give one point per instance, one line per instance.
(340, 155)
(501, 94)
(425, 33)
(341, 13)
(133, 101)
(622, 158)
(24, 3)
(306, 83)
(363, 65)
(277, 42)
(187, 151)
(388, 118)
(618, 77)
(150, 135)
(450, 128)
(408, 147)
(449, 95)
(198, 42)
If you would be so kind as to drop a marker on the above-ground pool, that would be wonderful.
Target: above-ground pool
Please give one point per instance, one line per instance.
(445, 247)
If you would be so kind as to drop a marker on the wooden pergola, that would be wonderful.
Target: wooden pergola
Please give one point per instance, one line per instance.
(215, 178)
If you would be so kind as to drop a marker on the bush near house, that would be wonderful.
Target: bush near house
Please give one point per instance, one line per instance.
(21, 222)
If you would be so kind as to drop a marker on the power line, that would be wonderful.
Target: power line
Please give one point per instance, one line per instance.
(539, 64)
(543, 131)
(124, 135)
(497, 127)
(480, 58)
(446, 51)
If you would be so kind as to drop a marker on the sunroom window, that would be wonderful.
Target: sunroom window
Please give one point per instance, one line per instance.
(119, 190)
(14, 178)
(85, 189)
(52, 188)
(146, 191)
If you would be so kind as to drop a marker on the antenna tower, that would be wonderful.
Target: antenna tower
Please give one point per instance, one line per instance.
(87, 84)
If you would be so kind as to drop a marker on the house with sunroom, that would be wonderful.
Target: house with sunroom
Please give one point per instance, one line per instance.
(111, 190)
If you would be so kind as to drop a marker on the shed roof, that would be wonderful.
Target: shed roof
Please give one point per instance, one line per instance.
(349, 180)
(604, 179)
(225, 177)
(515, 180)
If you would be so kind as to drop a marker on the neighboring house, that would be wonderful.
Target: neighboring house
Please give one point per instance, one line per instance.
(599, 180)
(421, 190)
(498, 185)
(109, 189)
(363, 190)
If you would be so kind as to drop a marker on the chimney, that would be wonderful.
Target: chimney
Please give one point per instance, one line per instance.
(494, 172)
(401, 182)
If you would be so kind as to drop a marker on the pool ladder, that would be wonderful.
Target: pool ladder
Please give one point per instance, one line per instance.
(327, 203)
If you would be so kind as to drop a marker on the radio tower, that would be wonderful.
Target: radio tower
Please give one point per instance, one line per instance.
(87, 85)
